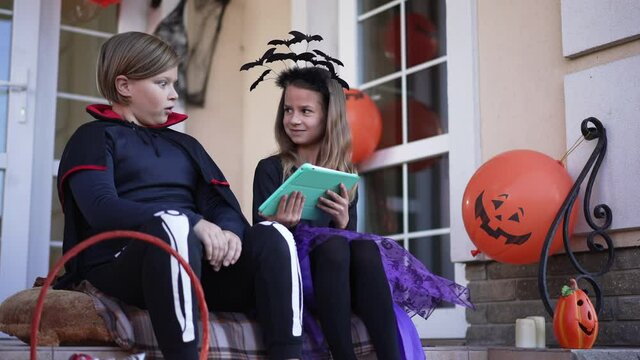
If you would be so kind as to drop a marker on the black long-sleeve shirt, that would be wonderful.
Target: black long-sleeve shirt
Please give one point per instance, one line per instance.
(268, 177)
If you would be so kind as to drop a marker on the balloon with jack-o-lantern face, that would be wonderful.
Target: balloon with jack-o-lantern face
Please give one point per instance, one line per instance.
(510, 203)
(575, 321)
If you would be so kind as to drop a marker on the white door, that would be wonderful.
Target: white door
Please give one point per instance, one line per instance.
(19, 27)
(47, 76)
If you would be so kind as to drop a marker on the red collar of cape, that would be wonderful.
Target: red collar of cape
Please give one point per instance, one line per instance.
(105, 112)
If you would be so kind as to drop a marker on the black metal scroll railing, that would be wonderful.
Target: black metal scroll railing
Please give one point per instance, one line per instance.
(591, 129)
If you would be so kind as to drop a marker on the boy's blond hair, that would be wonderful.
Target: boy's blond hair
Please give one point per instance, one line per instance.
(135, 55)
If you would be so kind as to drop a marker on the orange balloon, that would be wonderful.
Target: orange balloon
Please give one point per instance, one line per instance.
(421, 35)
(510, 203)
(365, 123)
(423, 123)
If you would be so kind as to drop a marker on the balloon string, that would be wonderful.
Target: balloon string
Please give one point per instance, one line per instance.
(571, 149)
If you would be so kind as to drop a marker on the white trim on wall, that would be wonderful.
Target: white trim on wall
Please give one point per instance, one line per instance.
(592, 25)
(464, 114)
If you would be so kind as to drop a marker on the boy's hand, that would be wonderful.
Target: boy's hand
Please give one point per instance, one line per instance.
(337, 206)
(214, 241)
(289, 209)
(234, 249)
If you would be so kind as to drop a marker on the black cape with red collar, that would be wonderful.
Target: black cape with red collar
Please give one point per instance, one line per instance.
(85, 151)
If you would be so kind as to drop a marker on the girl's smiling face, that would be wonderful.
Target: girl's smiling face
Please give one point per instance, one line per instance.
(304, 116)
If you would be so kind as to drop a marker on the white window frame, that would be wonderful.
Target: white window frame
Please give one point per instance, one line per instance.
(462, 142)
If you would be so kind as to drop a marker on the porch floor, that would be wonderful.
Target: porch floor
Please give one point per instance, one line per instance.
(13, 349)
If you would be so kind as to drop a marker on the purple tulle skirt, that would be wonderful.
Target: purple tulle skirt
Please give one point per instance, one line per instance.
(415, 290)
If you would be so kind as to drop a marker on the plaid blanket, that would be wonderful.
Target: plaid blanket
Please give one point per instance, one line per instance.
(232, 336)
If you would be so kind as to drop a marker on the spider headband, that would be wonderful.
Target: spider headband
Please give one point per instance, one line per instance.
(310, 59)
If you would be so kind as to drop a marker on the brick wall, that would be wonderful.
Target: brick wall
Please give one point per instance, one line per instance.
(502, 293)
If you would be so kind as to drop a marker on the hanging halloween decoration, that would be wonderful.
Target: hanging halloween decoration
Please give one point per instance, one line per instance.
(422, 123)
(575, 321)
(365, 123)
(291, 58)
(204, 26)
(173, 31)
(421, 35)
(510, 203)
(194, 41)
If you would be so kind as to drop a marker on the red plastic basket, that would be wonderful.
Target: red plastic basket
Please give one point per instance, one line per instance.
(202, 304)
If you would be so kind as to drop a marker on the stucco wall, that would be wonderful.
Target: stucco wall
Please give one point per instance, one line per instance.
(521, 70)
(521, 74)
(235, 126)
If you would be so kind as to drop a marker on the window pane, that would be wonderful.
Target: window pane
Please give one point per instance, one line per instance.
(425, 23)
(6, 4)
(429, 193)
(57, 216)
(427, 103)
(434, 253)
(5, 58)
(387, 98)
(77, 67)
(378, 39)
(383, 210)
(5, 46)
(368, 5)
(4, 109)
(55, 253)
(57, 225)
(89, 15)
(1, 197)
(70, 114)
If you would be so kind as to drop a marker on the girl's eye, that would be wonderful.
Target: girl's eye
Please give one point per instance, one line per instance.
(287, 110)
(162, 83)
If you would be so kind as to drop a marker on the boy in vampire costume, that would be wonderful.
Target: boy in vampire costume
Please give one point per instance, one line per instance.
(128, 171)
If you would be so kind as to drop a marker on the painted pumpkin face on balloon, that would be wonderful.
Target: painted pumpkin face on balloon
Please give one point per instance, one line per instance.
(510, 203)
(575, 321)
(502, 219)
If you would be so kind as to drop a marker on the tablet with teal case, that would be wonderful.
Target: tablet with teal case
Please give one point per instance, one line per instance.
(313, 181)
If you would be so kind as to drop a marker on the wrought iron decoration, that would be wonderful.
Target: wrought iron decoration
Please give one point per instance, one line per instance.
(591, 129)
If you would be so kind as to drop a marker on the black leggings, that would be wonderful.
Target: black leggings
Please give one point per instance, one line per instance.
(265, 278)
(350, 276)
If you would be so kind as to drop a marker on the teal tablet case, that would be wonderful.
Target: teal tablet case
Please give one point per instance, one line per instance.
(313, 181)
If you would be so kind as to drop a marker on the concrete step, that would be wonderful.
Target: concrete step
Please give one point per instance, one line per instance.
(512, 353)
(13, 349)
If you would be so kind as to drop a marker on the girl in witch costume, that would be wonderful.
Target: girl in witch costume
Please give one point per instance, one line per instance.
(128, 171)
(342, 270)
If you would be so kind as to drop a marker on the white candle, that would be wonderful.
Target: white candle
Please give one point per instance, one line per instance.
(540, 332)
(525, 333)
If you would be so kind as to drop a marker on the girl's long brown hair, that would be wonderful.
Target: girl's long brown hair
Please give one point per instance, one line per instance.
(335, 147)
